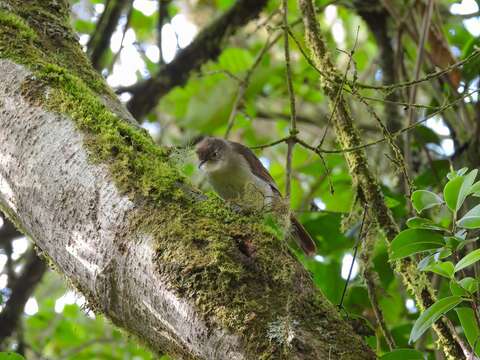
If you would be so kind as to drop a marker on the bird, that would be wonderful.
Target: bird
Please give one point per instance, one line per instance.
(237, 175)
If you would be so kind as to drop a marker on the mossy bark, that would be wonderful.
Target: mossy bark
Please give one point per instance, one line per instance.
(363, 178)
(113, 213)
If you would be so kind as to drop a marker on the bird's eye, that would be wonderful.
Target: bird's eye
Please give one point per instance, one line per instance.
(215, 154)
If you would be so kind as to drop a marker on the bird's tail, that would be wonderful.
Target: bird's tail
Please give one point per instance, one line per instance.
(302, 237)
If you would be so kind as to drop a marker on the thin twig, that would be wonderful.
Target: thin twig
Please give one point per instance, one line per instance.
(340, 89)
(375, 142)
(355, 251)
(291, 94)
(391, 87)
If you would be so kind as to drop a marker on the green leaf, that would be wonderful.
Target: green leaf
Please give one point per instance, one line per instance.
(458, 188)
(424, 199)
(422, 223)
(470, 284)
(454, 173)
(475, 189)
(10, 356)
(424, 135)
(468, 260)
(452, 242)
(456, 289)
(391, 202)
(451, 192)
(235, 60)
(412, 241)
(427, 260)
(470, 327)
(466, 187)
(403, 354)
(471, 220)
(432, 314)
(445, 269)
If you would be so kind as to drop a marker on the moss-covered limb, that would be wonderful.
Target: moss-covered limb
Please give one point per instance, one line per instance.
(206, 46)
(182, 271)
(369, 190)
(100, 40)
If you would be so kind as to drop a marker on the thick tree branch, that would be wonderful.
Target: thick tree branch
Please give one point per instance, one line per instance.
(112, 211)
(22, 289)
(206, 46)
(100, 40)
(364, 179)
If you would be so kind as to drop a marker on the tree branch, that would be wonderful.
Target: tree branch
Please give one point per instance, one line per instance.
(117, 217)
(206, 46)
(369, 190)
(100, 40)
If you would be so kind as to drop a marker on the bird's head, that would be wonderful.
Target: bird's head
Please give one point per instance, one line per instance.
(212, 154)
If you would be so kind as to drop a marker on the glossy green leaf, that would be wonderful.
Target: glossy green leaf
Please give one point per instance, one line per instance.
(453, 242)
(470, 327)
(427, 260)
(432, 314)
(468, 260)
(475, 189)
(424, 199)
(466, 187)
(445, 269)
(10, 356)
(470, 284)
(456, 289)
(422, 223)
(412, 241)
(471, 220)
(452, 191)
(403, 354)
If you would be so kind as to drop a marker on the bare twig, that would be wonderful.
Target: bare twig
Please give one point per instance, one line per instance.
(291, 94)
(375, 142)
(361, 235)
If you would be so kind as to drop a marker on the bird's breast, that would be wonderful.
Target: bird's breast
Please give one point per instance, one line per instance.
(240, 185)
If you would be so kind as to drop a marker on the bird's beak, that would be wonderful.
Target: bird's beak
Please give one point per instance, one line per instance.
(201, 163)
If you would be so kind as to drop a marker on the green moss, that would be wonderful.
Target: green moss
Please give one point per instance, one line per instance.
(235, 267)
(13, 23)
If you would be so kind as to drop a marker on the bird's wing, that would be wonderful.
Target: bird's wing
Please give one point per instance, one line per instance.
(255, 165)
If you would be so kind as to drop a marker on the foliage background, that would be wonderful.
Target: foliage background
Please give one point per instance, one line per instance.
(56, 324)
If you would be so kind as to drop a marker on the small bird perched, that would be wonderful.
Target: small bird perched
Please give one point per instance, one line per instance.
(237, 175)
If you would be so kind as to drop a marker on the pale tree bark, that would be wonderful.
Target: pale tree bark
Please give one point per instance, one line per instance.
(180, 270)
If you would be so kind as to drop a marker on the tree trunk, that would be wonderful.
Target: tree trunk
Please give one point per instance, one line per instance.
(180, 270)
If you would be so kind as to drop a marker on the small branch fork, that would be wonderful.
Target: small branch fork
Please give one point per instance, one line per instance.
(394, 135)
